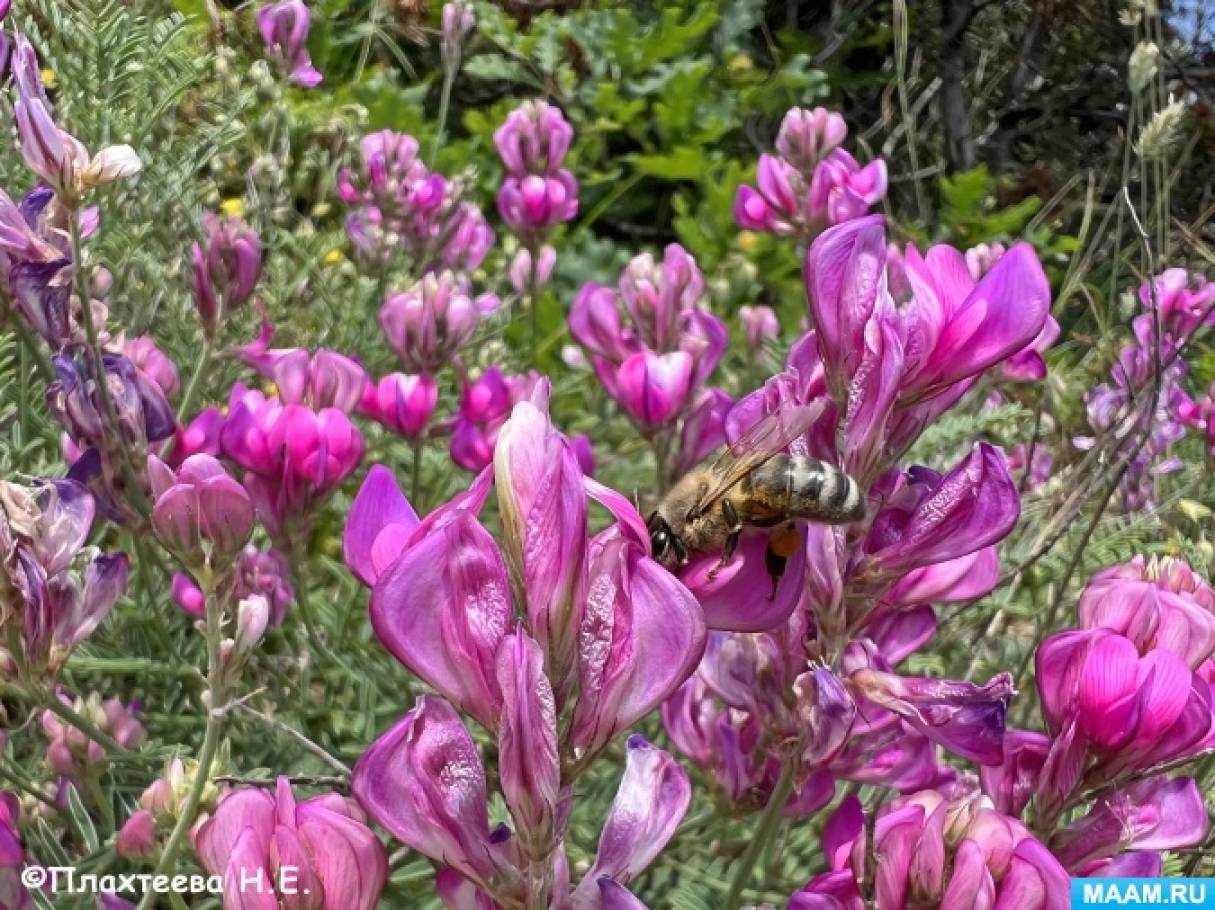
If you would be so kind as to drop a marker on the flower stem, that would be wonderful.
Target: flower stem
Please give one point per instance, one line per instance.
(187, 398)
(537, 885)
(415, 483)
(769, 824)
(206, 757)
(32, 346)
(449, 80)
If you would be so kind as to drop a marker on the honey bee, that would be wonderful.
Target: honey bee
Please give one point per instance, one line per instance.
(753, 482)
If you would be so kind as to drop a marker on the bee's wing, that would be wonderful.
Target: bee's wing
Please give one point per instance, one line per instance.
(769, 437)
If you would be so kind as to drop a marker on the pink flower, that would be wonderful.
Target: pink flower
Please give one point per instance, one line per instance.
(320, 847)
(402, 403)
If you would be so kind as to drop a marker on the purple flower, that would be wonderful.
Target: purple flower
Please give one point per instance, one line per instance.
(431, 322)
(1154, 813)
(965, 718)
(381, 520)
(60, 592)
(284, 27)
(653, 797)
(200, 512)
(928, 518)
(533, 139)
(258, 573)
(424, 782)
(226, 268)
(153, 363)
(528, 764)
(811, 183)
(402, 403)
(320, 847)
(325, 379)
(759, 325)
(1012, 783)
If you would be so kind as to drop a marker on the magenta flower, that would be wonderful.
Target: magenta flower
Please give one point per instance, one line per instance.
(380, 523)
(226, 267)
(12, 855)
(431, 322)
(320, 847)
(538, 193)
(485, 404)
(1157, 604)
(199, 436)
(136, 838)
(424, 782)
(61, 592)
(811, 183)
(665, 349)
(284, 27)
(1185, 301)
(324, 379)
(1028, 363)
(534, 139)
(200, 512)
(1112, 713)
(926, 353)
(529, 767)
(402, 403)
(627, 631)
(1012, 783)
(293, 456)
(936, 853)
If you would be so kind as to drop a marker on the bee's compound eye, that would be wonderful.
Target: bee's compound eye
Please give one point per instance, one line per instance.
(660, 541)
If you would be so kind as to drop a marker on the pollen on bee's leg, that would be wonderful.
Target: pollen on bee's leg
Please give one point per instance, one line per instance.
(785, 541)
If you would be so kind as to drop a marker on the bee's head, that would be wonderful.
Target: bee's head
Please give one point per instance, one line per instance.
(665, 547)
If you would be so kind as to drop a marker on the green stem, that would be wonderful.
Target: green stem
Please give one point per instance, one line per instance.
(187, 398)
(415, 483)
(537, 885)
(210, 747)
(449, 80)
(769, 824)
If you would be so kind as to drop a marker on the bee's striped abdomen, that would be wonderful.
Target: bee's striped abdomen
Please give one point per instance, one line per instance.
(822, 492)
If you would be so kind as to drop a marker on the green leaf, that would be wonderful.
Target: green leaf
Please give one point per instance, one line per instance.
(81, 821)
(684, 163)
(500, 68)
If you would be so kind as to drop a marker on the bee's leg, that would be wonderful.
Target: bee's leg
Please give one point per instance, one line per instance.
(775, 563)
(735, 526)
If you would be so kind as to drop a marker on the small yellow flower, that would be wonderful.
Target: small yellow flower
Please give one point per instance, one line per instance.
(233, 207)
(49, 79)
(747, 241)
(334, 256)
(741, 63)
(270, 389)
